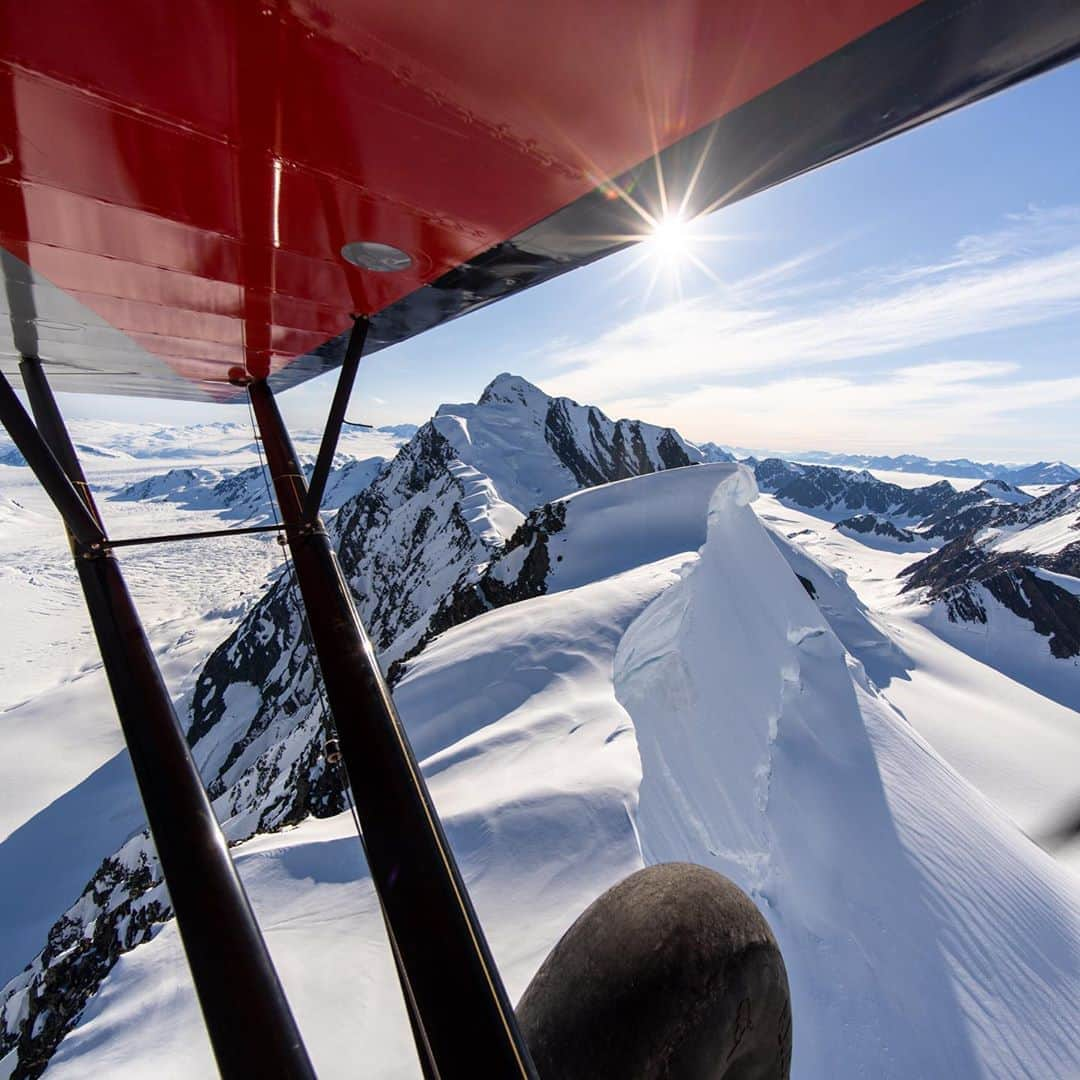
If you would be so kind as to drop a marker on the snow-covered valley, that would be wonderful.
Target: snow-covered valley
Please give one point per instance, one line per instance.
(623, 675)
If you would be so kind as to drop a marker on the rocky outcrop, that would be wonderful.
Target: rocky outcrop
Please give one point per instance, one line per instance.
(123, 905)
(872, 525)
(1003, 558)
(518, 572)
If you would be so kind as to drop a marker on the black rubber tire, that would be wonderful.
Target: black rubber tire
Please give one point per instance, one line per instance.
(672, 973)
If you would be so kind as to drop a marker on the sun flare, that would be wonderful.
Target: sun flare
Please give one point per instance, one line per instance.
(670, 238)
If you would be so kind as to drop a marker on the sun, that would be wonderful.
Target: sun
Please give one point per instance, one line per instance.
(667, 235)
(669, 243)
(670, 238)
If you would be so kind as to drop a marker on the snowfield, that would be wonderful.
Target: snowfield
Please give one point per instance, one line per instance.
(708, 675)
(68, 796)
(695, 706)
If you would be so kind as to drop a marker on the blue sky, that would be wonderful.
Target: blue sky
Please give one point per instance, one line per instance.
(921, 296)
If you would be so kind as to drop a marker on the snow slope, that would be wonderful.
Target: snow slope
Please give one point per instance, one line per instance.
(695, 706)
(67, 797)
(615, 527)
(903, 901)
(532, 765)
(1017, 745)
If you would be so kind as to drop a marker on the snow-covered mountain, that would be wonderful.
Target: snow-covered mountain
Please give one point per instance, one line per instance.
(998, 559)
(656, 703)
(603, 659)
(841, 493)
(1020, 566)
(714, 453)
(970, 509)
(1042, 472)
(461, 487)
(866, 506)
(431, 519)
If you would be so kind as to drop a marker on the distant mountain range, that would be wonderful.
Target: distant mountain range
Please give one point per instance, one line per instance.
(1041, 472)
(994, 551)
(244, 494)
(520, 497)
(861, 503)
(1024, 558)
(144, 441)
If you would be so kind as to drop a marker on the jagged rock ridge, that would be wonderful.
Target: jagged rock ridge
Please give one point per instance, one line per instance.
(1014, 558)
(432, 519)
(862, 503)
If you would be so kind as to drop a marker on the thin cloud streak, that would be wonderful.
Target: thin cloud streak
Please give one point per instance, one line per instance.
(925, 408)
(744, 364)
(697, 339)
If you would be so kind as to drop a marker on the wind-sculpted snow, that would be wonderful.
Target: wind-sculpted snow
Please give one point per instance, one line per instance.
(922, 933)
(882, 659)
(594, 532)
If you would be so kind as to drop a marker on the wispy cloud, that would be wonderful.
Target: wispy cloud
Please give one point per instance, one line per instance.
(696, 359)
(711, 337)
(929, 408)
(1023, 273)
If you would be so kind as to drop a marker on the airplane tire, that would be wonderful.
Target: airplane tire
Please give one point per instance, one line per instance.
(672, 973)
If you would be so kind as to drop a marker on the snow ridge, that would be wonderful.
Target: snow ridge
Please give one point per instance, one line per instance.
(767, 755)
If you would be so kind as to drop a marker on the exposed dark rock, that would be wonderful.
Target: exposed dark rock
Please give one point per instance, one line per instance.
(966, 570)
(772, 474)
(605, 457)
(871, 524)
(495, 587)
(955, 575)
(822, 488)
(120, 908)
(972, 509)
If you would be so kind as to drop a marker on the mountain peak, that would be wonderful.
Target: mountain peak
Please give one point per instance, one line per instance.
(510, 389)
